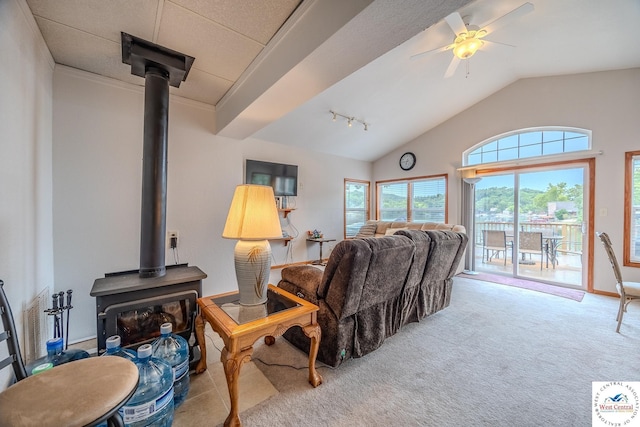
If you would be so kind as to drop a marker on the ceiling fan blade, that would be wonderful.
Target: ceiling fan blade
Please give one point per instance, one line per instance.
(508, 18)
(456, 23)
(489, 45)
(452, 67)
(427, 52)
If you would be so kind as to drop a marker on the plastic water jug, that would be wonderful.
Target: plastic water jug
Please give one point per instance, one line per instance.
(174, 350)
(152, 403)
(114, 349)
(55, 356)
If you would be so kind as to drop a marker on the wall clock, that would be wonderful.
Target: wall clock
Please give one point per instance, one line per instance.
(407, 161)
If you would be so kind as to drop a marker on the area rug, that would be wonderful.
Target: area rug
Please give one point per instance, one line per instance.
(573, 294)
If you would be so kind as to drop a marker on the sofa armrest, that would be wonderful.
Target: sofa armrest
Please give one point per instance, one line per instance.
(302, 281)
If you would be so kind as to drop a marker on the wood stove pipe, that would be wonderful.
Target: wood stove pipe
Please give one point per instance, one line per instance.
(153, 219)
(160, 68)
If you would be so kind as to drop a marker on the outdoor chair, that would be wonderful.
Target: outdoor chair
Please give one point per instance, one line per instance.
(628, 291)
(494, 242)
(530, 242)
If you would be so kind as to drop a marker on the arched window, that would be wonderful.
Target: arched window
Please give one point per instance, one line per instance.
(527, 144)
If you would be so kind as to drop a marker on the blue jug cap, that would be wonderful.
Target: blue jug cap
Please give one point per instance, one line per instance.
(55, 344)
(144, 351)
(166, 328)
(113, 341)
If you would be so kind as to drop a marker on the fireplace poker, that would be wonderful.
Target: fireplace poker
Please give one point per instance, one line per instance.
(61, 308)
(54, 312)
(68, 307)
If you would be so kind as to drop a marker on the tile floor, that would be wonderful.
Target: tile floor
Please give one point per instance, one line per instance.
(208, 400)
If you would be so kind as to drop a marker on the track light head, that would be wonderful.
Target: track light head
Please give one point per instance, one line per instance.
(349, 119)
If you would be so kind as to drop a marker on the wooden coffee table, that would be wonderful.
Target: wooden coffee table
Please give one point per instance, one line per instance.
(241, 326)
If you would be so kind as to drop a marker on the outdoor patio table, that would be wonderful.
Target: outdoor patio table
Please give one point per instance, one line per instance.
(551, 244)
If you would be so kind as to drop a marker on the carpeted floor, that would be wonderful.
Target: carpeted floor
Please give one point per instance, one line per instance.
(573, 294)
(497, 356)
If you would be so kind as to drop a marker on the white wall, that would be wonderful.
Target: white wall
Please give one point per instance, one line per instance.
(97, 168)
(605, 102)
(26, 67)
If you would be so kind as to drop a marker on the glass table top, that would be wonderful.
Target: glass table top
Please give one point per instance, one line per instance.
(242, 314)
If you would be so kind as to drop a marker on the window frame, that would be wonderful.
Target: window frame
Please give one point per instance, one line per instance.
(524, 145)
(367, 208)
(410, 182)
(629, 157)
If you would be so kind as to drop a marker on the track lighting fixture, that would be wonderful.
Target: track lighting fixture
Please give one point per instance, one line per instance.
(349, 119)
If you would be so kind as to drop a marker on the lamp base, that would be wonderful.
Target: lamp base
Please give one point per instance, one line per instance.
(253, 266)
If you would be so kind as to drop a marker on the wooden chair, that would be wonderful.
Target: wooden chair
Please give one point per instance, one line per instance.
(628, 291)
(85, 392)
(530, 242)
(9, 335)
(494, 242)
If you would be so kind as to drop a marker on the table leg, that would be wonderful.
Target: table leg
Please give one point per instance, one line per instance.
(202, 364)
(313, 331)
(232, 362)
(546, 249)
(319, 261)
(553, 252)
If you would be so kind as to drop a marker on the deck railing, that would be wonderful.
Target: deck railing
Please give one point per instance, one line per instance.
(571, 233)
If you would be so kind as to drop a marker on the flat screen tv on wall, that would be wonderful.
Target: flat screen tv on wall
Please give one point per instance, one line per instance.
(283, 178)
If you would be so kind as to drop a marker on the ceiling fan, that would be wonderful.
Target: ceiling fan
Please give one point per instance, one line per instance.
(470, 38)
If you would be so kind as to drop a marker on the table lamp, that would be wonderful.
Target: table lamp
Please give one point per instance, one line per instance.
(252, 219)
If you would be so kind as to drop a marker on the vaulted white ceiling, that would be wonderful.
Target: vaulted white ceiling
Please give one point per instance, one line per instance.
(274, 68)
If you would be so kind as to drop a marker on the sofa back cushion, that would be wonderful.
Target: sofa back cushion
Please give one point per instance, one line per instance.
(364, 272)
(344, 275)
(447, 249)
(382, 227)
(391, 259)
(441, 226)
(414, 280)
(391, 231)
(422, 242)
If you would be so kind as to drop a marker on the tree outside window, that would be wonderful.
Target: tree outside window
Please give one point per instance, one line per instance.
(421, 199)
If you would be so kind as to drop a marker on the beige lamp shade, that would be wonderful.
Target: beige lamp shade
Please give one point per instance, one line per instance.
(253, 218)
(253, 214)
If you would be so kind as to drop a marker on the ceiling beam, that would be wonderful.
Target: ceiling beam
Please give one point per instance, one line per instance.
(324, 42)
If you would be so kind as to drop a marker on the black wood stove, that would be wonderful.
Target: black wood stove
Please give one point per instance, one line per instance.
(135, 308)
(133, 304)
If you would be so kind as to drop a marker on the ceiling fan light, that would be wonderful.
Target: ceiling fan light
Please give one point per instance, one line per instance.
(467, 47)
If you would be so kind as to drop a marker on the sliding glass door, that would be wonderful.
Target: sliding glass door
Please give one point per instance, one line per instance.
(537, 219)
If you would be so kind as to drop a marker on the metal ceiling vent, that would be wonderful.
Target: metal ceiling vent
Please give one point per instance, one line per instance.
(160, 68)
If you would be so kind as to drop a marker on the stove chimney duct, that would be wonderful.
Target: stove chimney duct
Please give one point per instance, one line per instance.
(160, 68)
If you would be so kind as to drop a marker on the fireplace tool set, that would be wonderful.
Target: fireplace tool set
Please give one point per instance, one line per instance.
(57, 311)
